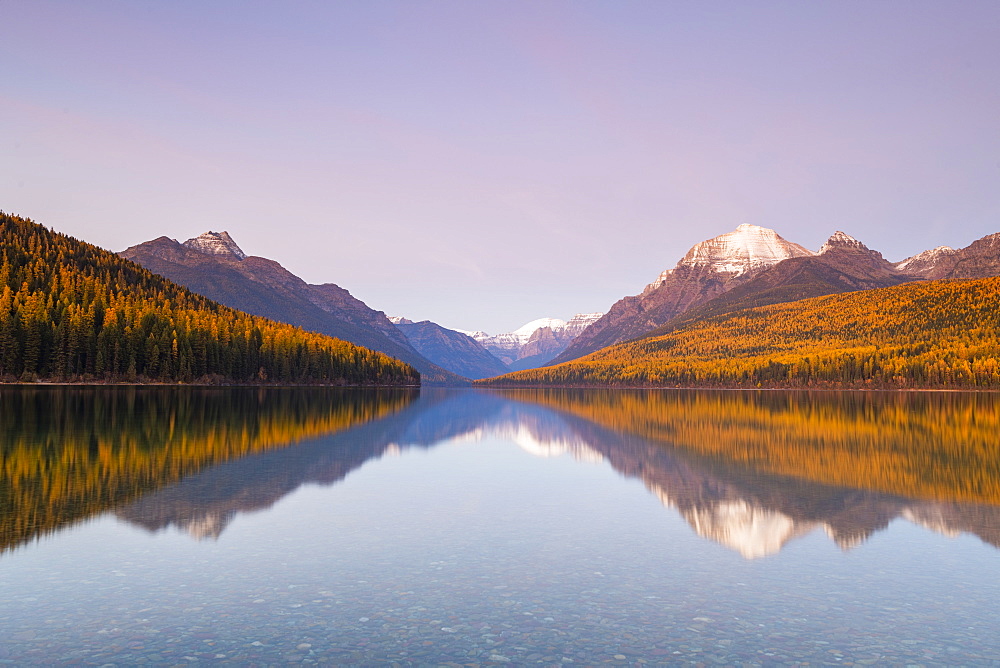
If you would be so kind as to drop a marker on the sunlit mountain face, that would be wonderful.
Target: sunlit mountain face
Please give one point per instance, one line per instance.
(750, 471)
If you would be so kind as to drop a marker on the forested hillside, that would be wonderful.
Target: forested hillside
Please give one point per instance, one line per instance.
(937, 334)
(264, 288)
(72, 311)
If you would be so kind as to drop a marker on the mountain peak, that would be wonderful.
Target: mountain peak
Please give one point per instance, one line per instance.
(581, 321)
(747, 247)
(842, 240)
(925, 260)
(528, 329)
(215, 243)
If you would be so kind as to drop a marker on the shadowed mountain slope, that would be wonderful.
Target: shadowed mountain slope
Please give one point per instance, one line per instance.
(844, 264)
(72, 311)
(263, 287)
(707, 270)
(452, 350)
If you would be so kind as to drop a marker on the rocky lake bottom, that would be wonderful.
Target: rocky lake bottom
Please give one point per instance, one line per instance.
(467, 528)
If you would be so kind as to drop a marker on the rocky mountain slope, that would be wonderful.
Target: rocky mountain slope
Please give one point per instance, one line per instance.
(979, 259)
(753, 266)
(921, 334)
(709, 269)
(535, 343)
(452, 350)
(213, 265)
(843, 264)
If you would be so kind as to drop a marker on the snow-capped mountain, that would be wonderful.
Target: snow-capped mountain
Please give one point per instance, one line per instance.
(744, 250)
(535, 343)
(477, 354)
(754, 266)
(707, 270)
(525, 331)
(216, 243)
(979, 259)
(925, 261)
(840, 240)
(843, 265)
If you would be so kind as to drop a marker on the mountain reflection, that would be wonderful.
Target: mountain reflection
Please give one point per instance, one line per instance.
(753, 470)
(749, 470)
(67, 453)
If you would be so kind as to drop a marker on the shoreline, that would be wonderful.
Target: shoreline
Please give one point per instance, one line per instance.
(739, 389)
(45, 383)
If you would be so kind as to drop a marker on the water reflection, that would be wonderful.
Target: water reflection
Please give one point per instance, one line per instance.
(940, 445)
(751, 471)
(67, 453)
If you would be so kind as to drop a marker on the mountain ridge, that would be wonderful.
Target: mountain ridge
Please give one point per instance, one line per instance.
(712, 278)
(72, 311)
(451, 349)
(262, 286)
(920, 334)
(707, 270)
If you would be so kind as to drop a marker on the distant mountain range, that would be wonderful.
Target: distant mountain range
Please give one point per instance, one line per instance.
(749, 267)
(536, 343)
(480, 355)
(754, 266)
(213, 264)
(922, 334)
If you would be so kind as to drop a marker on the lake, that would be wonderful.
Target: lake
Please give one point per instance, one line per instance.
(358, 527)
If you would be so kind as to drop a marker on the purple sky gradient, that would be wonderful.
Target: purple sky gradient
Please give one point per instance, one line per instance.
(483, 164)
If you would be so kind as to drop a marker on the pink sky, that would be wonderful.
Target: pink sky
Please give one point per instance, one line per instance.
(485, 164)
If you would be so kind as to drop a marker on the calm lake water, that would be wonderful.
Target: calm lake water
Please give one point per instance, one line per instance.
(177, 526)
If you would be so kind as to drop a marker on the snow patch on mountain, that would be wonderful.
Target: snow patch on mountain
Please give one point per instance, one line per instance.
(841, 240)
(925, 259)
(478, 335)
(215, 243)
(544, 336)
(524, 332)
(580, 322)
(746, 248)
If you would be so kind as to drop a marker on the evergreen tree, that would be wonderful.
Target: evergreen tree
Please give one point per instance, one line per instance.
(72, 311)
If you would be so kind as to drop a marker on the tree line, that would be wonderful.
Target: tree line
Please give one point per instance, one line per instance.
(935, 334)
(72, 311)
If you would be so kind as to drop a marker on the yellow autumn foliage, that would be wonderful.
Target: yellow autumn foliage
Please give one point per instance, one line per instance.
(937, 445)
(935, 334)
